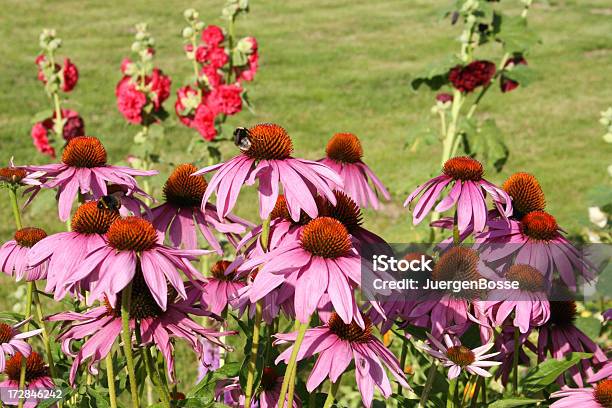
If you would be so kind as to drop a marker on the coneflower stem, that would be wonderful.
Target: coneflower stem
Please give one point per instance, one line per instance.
(248, 395)
(110, 378)
(515, 360)
(450, 396)
(431, 374)
(265, 234)
(403, 356)
(292, 361)
(16, 214)
(479, 382)
(456, 236)
(331, 395)
(43, 326)
(154, 376)
(126, 337)
(28, 315)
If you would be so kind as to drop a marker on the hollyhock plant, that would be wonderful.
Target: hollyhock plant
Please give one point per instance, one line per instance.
(344, 153)
(475, 74)
(268, 160)
(12, 341)
(40, 138)
(64, 251)
(182, 216)
(338, 344)
(458, 358)
(37, 378)
(598, 396)
(14, 255)
(467, 193)
(222, 286)
(506, 84)
(251, 48)
(68, 73)
(84, 169)
(133, 99)
(133, 245)
(101, 326)
(43, 131)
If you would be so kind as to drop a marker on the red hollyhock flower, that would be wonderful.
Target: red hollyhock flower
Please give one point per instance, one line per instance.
(160, 87)
(74, 126)
(471, 76)
(217, 57)
(201, 54)
(225, 99)
(204, 122)
(506, 83)
(130, 101)
(70, 76)
(213, 76)
(41, 140)
(180, 105)
(213, 35)
(444, 97)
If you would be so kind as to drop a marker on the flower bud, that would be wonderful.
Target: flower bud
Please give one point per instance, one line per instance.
(244, 45)
(135, 46)
(140, 35)
(190, 14)
(187, 32)
(200, 25)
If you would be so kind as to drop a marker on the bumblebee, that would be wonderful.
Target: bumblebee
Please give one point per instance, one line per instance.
(242, 139)
(109, 202)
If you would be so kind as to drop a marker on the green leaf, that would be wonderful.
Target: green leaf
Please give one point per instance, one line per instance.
(436, 74)
(486, 144)
(520, 73)
(205, 390)
(589, 326)
(513, 402)
(41, 116)
(239, 58)
(514, 33)
(547, 372)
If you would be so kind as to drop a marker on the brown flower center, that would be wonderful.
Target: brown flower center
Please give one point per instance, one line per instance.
(346, 210)
(218, 270)
(89, 219)
(268, 378)
(269, 142)
(281, 211)
(526, 193)
(132, 234)
(142, 303)
(183, 189)
(12, 174)
(603, 393)
(463, 168)
(29, 236)
(528, 277)
(460, 355)
(84, 151)
(6, 333)
(350, 332)
(326, 237)
(562, 312)
(539, 225)
(344, 148)
(458, 263)
(35, 367)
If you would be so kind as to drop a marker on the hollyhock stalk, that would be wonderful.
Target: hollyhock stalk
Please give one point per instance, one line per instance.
(126, 337)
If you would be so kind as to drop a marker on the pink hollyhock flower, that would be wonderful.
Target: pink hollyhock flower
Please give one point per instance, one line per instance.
(529, 304)
(126, 65)
(322, 261)
(467, 193)
(102, 327)
(182, 215)
(217, 57)
(70, 75)
(204, 122)
(37, 378)
(507, 84)
(268, 160)
(134, 245)
(187, 101)
(247, 73)
(337, 344)
(457, 357)
(201, 54)
(471, 76)
(41, 140)
(213, 78)
(559, 336)
(130, 101)
(535, 240)
(84, 168)
(599, 396)
(14, 254)
(225, 99)
(444, 97)
(12, 341)
(213, 35)
(344, 154)
(65, 251)
(222, 287)
(159, 85)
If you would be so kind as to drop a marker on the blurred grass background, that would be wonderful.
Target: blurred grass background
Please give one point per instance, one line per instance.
(326, 67)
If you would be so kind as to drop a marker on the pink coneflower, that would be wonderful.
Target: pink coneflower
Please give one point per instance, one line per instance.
(322, 261)
(559, 336)
(271, 384)
(18, 175)
(467, 193)
(457, 357)
(14, 255)
(267, 157)
(102, 326)
(599, 396)
(222, 286)
(604, 373)
(84, 168)
(37, 377)
(526, 194)
(529, 304)
(344, 154)
(134, 244)
(65, 251)
(337, 344)
(535, 240)
(182, 214)
(12, 341)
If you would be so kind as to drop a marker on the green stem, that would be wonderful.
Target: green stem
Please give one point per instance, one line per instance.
(252, 366)
(126, 336)
(15, 207)
(515, 360)
(431, 375)
(110, 378)
(450, 396)
(292, 361)
(291, 390)
(230, 29)
(333, 391)
(467, 390)
(43, 326)
(456, 236)
(400, 389)
(153, 374)
(448, 142)
(479, 383)
(265, 234)
(28, 314)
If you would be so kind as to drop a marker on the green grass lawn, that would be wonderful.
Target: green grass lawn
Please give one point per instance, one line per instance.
(328, 67)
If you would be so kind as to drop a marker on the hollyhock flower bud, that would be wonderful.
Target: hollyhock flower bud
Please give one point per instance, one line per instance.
(213, 35)
(187, 32)
(41, 140)
(444, 97)
(190, 14)
(70, 75)
(248, 73)
(471, 76)
(506, 83)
